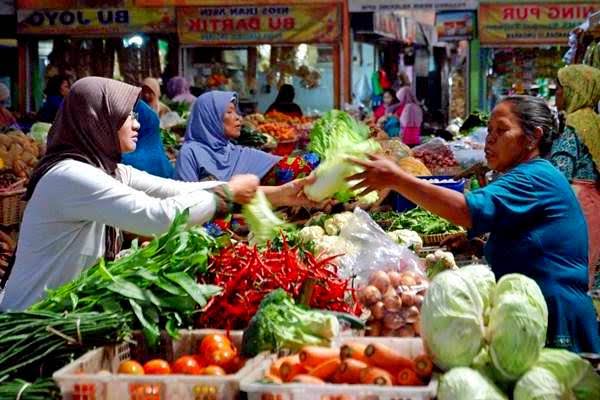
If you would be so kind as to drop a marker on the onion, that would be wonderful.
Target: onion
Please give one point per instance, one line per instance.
(391, 301)
(417, 327)
(392, 321)
(411, 314)
(418, 300)
(378, 310)
(408, 280)
(408, 299)
(394, 278)
(380, 280)
(374, 328)
(406, 331)
(369, 295)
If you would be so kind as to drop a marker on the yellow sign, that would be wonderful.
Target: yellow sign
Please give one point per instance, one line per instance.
(531, 24)
(96, 21)
(318, 23)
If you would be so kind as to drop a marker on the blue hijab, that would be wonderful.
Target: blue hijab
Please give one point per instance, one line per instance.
(207, 152)
(149, 155)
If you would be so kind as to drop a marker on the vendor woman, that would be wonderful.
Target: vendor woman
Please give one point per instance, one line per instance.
(535, 223)
(208, 151)
(80, 194)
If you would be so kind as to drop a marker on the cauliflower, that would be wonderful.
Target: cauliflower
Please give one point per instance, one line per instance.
(408, 238)
(311, 233)
(334, 225)
(438, 262)
(329, 246)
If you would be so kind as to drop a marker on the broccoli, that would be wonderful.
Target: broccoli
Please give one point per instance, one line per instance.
(280, 323)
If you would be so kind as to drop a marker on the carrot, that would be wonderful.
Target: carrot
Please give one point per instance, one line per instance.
(276, 366)
(327, 369)
(376, 376)
(304, 378)
(408, 377)
(271, 378)
(311, 356)
(290, 368)
(349, 371)
(385, 357)
(423, 366)
(353, 350)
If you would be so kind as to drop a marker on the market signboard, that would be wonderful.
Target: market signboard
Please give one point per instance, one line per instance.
(396, 5)
(454, 25)
(317, 23)
(531, 24)
(95, 21)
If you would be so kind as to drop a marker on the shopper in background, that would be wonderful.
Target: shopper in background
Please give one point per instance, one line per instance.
(149, 154)
(576, 153)
(208, 151)
(151, 95)
(411, 116)
(284, 102)
(6, 117)
(178, 90)
(80, 195)
(57, 89)
(535, 222)
(388, 107)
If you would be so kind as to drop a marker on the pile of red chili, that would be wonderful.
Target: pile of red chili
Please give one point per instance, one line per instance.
(247, 274)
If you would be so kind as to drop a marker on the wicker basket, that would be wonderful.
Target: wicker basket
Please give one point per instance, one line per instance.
(12, 206)
(435, 240)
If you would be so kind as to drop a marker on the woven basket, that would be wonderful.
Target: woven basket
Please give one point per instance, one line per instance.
(12, 207)
(435, 240)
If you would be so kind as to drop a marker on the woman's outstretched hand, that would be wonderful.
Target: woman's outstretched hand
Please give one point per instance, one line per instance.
(292, 193)
(379, 173)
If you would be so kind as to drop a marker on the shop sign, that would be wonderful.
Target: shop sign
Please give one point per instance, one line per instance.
(95, 21)
(454, 25)
(396, 5)
(388, 25)
(531, 24)
(317, 23)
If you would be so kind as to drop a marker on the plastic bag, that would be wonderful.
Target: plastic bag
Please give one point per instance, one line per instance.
(170, 120)
(362, 89)
(433, 146)
(39, 132)
(374, 251)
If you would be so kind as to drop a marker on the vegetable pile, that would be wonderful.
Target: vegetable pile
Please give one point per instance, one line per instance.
(264, 225)
(491, 337)
(19, 153)
(247, 274)
(394, 300)
(419, 220)
(156, 282)
(435, 158)
(280, 324)
(354, 363)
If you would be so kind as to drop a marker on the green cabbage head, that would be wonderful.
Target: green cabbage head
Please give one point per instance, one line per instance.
(452, 320)
(572, 371)
(484, 279)
(540, 384)
(518, 283)
(516, 335)
(466, 383)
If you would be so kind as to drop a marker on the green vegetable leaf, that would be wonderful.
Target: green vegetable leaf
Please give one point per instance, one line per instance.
(127, 289)
(198, 292)
(151, 331)
(167, 286)
(74, 300)
(147, 275)
(171, 328)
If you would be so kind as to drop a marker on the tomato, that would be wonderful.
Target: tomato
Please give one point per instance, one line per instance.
(84, 391)
(213, 370)
(213, 342)
(235, 365)
(131, 367)
(221, 358)
(157, 367)
(186, 365)
(144, 392)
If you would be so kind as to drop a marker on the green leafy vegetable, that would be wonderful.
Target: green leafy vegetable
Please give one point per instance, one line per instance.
(263, 223)
(540, 384)
(421, 221)
(280, 323)
(466, 383)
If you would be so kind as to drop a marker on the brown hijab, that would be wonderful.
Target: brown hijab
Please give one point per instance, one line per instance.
(85, 129)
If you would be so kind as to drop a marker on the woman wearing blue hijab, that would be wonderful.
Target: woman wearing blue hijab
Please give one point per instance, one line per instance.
(149, 154)
(208, 153)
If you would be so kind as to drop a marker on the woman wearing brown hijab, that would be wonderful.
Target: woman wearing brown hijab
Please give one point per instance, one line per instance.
(80, 194)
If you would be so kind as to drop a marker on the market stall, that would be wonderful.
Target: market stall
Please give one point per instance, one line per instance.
(531, 37)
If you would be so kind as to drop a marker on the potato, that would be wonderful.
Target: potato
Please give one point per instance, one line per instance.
(20, 168)
(15, 150)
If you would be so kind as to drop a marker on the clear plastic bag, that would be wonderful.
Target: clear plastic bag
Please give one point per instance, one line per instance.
(170, 120)
(374, 251)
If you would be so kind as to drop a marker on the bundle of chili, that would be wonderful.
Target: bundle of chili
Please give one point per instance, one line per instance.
(247, 274)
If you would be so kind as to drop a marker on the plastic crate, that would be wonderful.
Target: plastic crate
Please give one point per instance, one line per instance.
(410, 347)
(80, 379)
(401, 203)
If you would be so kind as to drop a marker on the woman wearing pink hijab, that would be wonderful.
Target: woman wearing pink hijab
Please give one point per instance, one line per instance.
(411, 116)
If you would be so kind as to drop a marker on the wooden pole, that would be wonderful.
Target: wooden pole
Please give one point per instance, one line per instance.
(347, 53)
(336, 76)
(22, 78)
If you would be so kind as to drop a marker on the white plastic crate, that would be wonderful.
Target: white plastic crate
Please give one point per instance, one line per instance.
(80, 379)
(409, 347)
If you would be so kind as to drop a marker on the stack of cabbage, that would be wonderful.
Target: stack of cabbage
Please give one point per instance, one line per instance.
(335, 137)
(490, 337)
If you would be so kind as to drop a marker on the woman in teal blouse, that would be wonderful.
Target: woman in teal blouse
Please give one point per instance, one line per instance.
(535, 223)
